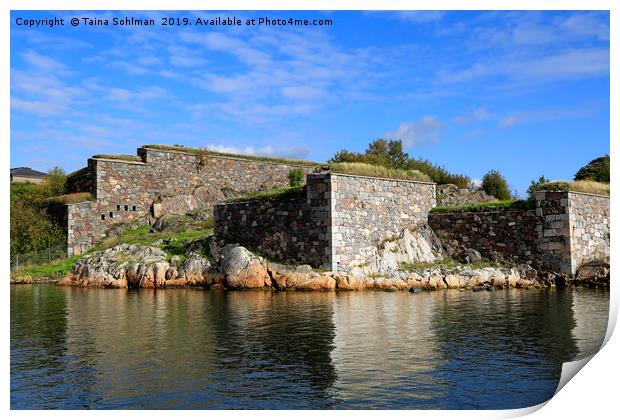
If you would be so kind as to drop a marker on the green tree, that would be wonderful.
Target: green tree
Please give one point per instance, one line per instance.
(296, 177)
(595, 170)
(536, 186)
(32, 227)
(494, 183)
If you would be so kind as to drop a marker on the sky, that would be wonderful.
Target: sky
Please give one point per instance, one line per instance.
(525, 93)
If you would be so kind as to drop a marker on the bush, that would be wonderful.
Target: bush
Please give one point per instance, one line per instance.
(595, 170)
(296, 177)
(32, 227)
(493, 183)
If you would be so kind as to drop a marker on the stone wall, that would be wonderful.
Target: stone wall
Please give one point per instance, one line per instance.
(509, 235)
(342, 221)
(164, 182)
(566, 230)
(368, 211)
(284, 230)
(573, 229)
(589, 221)
(451, 195)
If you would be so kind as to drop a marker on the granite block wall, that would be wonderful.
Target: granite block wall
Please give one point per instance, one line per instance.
(510, 235)
(163, 182)
(367, 211)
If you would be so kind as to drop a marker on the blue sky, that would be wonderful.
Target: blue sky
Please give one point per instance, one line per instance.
(523, 92)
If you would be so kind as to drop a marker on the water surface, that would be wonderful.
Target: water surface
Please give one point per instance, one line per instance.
(156, 349)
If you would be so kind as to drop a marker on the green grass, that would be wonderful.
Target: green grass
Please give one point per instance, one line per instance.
(143, 236)
(129, 158)
(505, 205)
(173, 245)
(195, 150)
(72, 198)
(585, 186)
(281, 193)
(52, 270)
(377, 171)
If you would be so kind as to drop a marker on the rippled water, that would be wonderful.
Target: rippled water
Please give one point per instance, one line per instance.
(87, 348)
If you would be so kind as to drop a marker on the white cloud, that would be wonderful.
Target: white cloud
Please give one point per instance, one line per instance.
(271, 151)
(476, 114)
(426, 129)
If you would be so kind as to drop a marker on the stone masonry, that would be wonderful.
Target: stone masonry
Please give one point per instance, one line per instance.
(573, 228)
(344, 217)
(163, 182)
(508, 235)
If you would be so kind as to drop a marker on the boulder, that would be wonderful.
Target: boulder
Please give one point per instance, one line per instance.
(468, 256)
(243, 270)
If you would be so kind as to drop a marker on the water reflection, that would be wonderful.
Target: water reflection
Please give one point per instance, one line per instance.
(74, 348)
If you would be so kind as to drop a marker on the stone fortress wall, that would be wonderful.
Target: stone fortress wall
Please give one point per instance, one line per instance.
(337, 225)
(340, 221)
(162, 182)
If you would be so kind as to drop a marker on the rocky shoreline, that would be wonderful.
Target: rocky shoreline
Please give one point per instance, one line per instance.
(234, 267)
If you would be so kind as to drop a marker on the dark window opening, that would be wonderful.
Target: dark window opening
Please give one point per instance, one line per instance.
(118, 207)
(126, 208)
(134, 208)
(103, 217)
(111, 215)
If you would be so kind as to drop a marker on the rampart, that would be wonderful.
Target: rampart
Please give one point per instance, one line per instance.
(160, 182)
(345, 218)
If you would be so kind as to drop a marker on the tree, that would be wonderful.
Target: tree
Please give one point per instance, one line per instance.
(536, 186)
(595, 170)
(494, 183)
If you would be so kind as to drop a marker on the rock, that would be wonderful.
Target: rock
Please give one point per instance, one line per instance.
(453, 281)
(196, 270)
(468, 256)
(527, 272)
(244, 270)
(593, 272)
(175, 260)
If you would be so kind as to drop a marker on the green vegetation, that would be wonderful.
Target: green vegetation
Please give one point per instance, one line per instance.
(590, 187)
(197, 151)
(72, 198)
(53, 270)
(280, 193)
(32, 226)
(595, 170)
(367, 169)
(390, 154)
(129, 158)
(171, 242)
(504, 205)
(494, 183)
(296, 177)
(536, 186)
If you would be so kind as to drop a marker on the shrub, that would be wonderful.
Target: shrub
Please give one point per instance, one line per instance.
(296, 177)
(494, 183)
(595, 170)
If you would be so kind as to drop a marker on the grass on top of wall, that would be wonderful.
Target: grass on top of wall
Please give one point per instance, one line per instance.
(129, 158)
(72, 198)
(377, 171)
(505, 205)
(280, 193)
(585, 186)
(196, 151)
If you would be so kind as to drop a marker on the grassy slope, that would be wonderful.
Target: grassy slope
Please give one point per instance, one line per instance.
(173, 245)
(505, 205)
